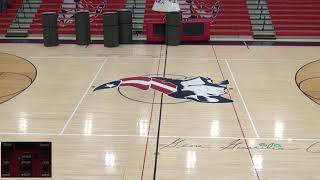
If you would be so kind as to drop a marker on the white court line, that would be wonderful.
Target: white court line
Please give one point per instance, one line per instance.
(116, 56)
(84, 95)
(243, 102)
(63, 56)
(26, 133)
(271, 60)
(119, 56)
(261, 60)
(186, 137)
(68, 57)
(247, 138)
(109, 135)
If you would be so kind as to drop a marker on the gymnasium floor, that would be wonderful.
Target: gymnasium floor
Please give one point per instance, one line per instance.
(271, 131)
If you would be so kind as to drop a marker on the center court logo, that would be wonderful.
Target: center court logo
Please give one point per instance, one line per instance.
(198, 89)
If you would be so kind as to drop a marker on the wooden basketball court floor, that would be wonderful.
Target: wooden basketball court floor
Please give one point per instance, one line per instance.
(270, 132)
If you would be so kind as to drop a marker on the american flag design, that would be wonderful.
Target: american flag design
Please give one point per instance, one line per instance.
(166, 6)
(200, 89)
(69, 8)
(199, 9)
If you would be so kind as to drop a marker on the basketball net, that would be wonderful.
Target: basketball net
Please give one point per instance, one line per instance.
(166, 6)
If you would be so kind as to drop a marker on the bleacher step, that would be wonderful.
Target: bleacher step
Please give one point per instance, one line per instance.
(138, 10)
(259, 11)
(260, 17)
(23, 19)
(262, 27)
(138, 7)
(137, 21)
(25, 15)
(17, 33)
(19, 26)
(254, 7)
(261, 23)
(28, 10)
(31, 5)
(264, 36)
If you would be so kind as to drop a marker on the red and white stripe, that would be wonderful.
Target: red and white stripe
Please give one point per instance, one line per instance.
(145, 83)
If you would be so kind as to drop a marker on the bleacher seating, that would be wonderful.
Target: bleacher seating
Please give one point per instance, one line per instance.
(232, 18)
(295, 17)
(66, 25)
(289, 17)
(7, 16)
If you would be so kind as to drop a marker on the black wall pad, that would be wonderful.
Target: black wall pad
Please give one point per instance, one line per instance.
(82, 25)
(125, 24)
(111, 29)
(50, 29)
(173, 18)
(173, 22)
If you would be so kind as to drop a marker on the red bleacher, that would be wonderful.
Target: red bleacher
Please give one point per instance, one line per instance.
(6, 17)
(68, 28)
(295, 17)
(232, 19)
